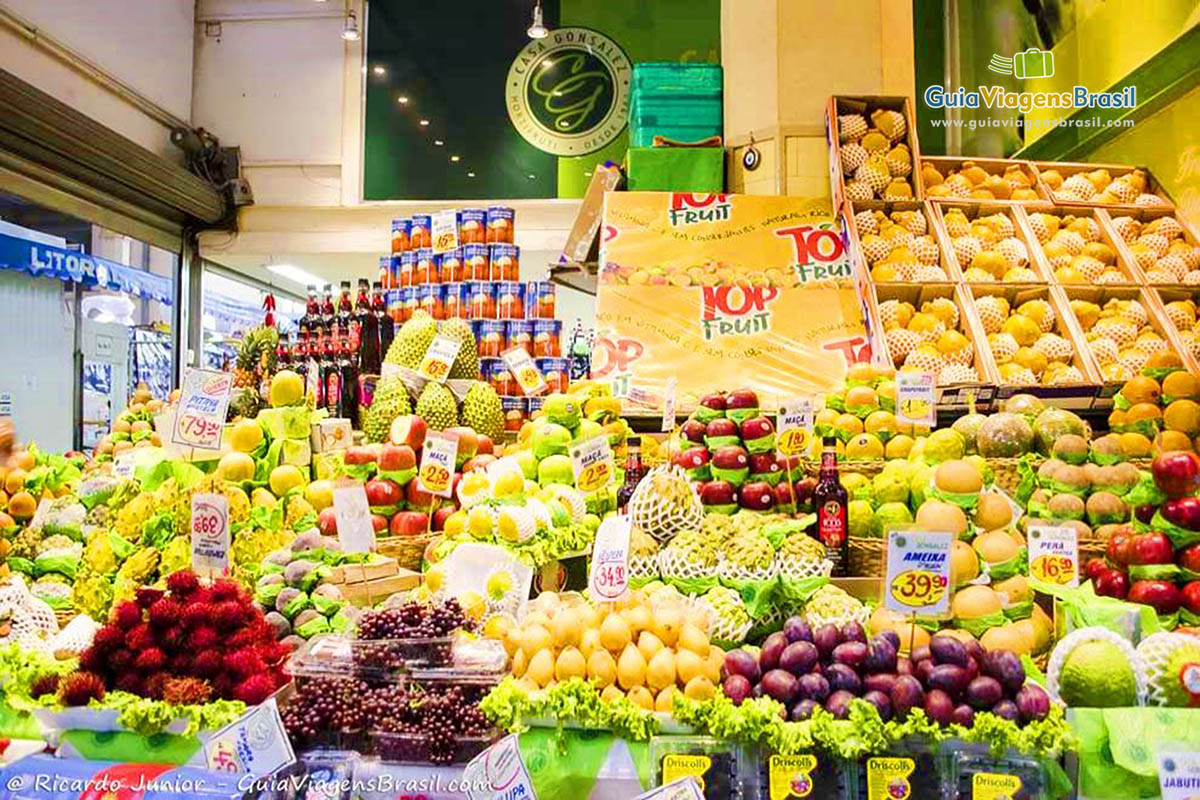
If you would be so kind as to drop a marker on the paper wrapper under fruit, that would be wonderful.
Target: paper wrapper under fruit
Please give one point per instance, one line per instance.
(722, 629)
(655, 321)
(686, 576)
(659, 517)
(1180, 537)
(1018, 611)
(1156, 652)
(1094, 634)
(1003, 570)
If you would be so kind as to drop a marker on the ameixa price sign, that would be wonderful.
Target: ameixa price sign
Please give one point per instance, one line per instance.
(918, 572)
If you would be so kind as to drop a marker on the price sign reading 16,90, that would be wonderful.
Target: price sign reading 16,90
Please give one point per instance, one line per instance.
(1054, 554)
(918, 572)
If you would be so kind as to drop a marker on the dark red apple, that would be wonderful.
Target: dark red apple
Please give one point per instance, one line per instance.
(710, 407)
(730, 463)
(720, 432)
(409, 523)
(1151, 548)
(757, 496)
(1162, 595)
(1183, 511)
(1119, 549)
(441, 515)
(327, 522)
(793, 466)
(397, 458)
(756, 428)
(359, 454)
(694, 461)
(1191, 597)
(1189, 558)
(382, 492)
(785, 499)
(420, 501)
(1095, 568)
(742, 398)
(1177, 472)
(468, 443)
(765, 466)
(1145, 513)
(1112, 583)
(486, 446)
(693, 430)
(408, 429)
(804, 493)
(718, 496)
(379, 522)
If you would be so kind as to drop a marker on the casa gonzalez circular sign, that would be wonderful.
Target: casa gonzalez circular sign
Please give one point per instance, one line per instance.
(568, 94)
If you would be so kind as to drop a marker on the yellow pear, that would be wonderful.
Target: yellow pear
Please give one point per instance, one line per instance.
(641, 696)
(694, 639)
(520, 662)
(601, 668)
(535, 638)
(665, 702)
(716, 660)
(638, 617)
(631, 668)
(589, 642)
(570, 664)
(666, 625)
(660, 672)
(615, 634)
(566, 628)
(541, 668)
(689, 665)
(611, 693)
(699, 688)
(648, 645)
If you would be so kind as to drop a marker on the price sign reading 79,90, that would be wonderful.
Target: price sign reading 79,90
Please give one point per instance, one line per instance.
(201, 412)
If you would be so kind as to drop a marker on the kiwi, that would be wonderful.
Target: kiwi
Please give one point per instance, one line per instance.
(1066, 506)
(1071, 448)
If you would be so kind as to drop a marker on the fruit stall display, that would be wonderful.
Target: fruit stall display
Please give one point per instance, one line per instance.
(988, 244)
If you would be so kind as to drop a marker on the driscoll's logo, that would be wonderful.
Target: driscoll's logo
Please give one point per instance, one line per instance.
(735, 310)
(689, 209)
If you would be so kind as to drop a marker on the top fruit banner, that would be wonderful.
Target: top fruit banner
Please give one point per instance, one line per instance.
(725, 290)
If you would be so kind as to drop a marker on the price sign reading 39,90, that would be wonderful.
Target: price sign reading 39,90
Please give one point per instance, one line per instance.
(918, 572)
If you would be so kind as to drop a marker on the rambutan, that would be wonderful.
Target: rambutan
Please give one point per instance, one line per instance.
(187, 691)
(126, 615)
(202, 638)
(224, 589)
(165, 612)
(273, 652)
(227, 615)
(243, 638)
(206, 663)
(223, 686)
(146, 596)
(244, 663)
(80, 688)
(201, 595)
(120, 661)
(139, 638)
(195, 614)
(152, 687)
(183, 583)
(180, 664)
(44, 684)
(254, 689)
(172, 639)
(91, 660)
(129, 682)
(150, 660)
(108, 638)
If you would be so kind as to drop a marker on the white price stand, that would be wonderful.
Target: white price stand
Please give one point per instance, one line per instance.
(210, 534)
(608, 578)
(200, 416)
(353, 513)
(916, 398)
(918, 572)
(1054, 554)
(436, 474)
(1179, 774)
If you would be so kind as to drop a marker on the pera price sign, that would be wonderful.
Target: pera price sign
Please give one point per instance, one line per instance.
(436, 473)
(593, 464)
(439, 357)
(795, 430)
(210, 533)
(918, 572)
(609, 576)
(916, 398)
(201, 412)
(352, 513)
(524, 371)
(1054, 554)
(445, 231)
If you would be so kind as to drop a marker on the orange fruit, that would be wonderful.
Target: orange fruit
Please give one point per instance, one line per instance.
(22, 506)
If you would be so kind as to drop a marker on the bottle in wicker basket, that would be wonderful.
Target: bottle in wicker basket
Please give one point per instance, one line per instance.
(831, 500)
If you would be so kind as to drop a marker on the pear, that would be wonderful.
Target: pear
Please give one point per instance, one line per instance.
(631, 668)
(589, 642)
(534, 638)
(641, 696)
(688, 665)
(566, 628)
(648, 645)
(615, 634)
(665, 702)
(570, 664)
(694, 639)
(611, 693)
(699, 688)
(541, 668)
(601, 669)
(520, 662)
(666, 625)
(660, 672)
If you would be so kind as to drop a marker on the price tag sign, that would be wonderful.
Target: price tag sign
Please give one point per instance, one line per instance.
(609, 575)
(124, 465)
(795, 430)
(6, 404)
(498, 772)
(918, 572)
(202, 405)
(436, 473)
(526, 373)
(1179, 774)
(445, 231)
(353, 514)
(210, 533)
(439, 358)
(593, 464)
(1054, 554)
(389, 370)
(916, 398)
(257, 743)
(668, 417)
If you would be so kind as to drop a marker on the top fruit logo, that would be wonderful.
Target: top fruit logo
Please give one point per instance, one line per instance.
(689, 209)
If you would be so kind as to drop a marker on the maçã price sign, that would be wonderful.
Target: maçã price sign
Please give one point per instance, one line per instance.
(201, 412)
(524, 371)
(439, 357)
(916, 398)
(436, 473)
(1054, 554)
(609, 575)
(352, 513)
(593, 463)
(210, 533)
(795, 429)
(918, 572)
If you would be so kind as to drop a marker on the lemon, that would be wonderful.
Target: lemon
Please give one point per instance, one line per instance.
(236, 466)
(284, 478)
(287, 388)
(435, 579)
(246, 436)
(499, 584)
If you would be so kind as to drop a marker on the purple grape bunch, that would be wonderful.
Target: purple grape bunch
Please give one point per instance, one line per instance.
(409, 634)
(951, 680)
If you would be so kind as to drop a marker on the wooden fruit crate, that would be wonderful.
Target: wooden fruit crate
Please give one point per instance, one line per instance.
(974, 211)
(855, 236)
(1068, 168)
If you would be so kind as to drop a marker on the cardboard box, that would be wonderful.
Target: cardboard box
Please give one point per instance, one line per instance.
(864, 105)
(327, 466)
(975, 210)
(370, 592)
(582, 243)
(385, 567)
(331, 433)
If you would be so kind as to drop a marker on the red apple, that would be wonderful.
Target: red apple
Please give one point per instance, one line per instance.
(1183, 511)
(440, 516)
(1112, 583)
(719, 494)
(1151, 548)
(794, 465)
(1189, 558)
(486, 445)
(742, 398)
(1145, 513)
(382, 492)
(327, 522)
(479, 462)
(691, 458)
(468, 443)
(785, 499)
(420, 501)
(765, 464)
(757, 496)
(408, 429)
(722, 428)
(1095, 568)
(756, 428)
(379, 522)
(1118, 551)
(409, 523)
(1177, 472)
(1191, 597)
(693, 430)
(1162, 595)
(713, 402)
(359, 454)
(804, 493)
(397, 458)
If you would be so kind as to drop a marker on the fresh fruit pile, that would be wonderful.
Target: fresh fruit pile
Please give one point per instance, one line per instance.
(929, 340)
(1122, 338)
(1152, 417)
(1162, 251)
(133, 426)
(1074, 250)
(988, 249)
(971, 181)
(875, 160)
(412, 633)
(294, 595)
(899, 247)
(950, 680)
(1098, 186)
(1028, 343)
(254, 367)
(1182, 314)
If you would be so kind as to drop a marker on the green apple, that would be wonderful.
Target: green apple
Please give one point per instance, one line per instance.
(556, 469)
(588, 430)
(562, 409)
(550, 439)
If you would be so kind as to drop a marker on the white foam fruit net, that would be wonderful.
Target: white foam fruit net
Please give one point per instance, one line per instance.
(1156, 651)
(816, 619)
(673, 563)
(732, 571)
(726, 627)
(665, 503)
(643, 566)
(76, 636)
(33, 622)
(1095, 634)
(797, 569)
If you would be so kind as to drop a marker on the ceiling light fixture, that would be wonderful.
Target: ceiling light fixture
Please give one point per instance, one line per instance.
(424, 122)
(350, 30)
(438, 142)
(470, 174)
(379, 69)
(296, 275)
(537, 30)
(454, 158)
(402, 99)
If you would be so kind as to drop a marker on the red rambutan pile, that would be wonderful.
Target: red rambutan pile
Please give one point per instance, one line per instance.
(187, 691)
(44, 684)
(195, 614)
(139, 638)
(203, 637)
(228, 615)
(80, 688)
(150, 660)
(225, 590)
(165, 613)
(108, 639)
(147, 596)
(244, 663)
(120, 661)
(126, 615)
(254, 689)
(183, 583)
(206, 663)
(91, 660)
(154, 684)
(130, 682)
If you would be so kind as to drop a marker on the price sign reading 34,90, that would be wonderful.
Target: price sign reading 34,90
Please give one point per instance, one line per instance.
(918, 572)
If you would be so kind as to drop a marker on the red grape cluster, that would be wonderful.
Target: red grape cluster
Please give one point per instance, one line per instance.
(407, 635)
(327, 711)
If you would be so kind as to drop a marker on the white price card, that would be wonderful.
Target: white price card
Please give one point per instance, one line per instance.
(916, 398)
(436, 473)
(439, 357)
(918, 572)
(256, 743)
(524, 371)
(593, 463)
(1179, 773)
(201, 413)
(445, 231)
(124, 465)
(499, 772)
(210, 533)
(794, 433)
(1054, 554)
(668, 417)
(355, 531)
(609, 575)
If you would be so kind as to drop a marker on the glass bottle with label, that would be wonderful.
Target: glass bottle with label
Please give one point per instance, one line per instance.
(387, 326)
(312, 313)
(347, 367)
(331, 376)
(368, 354)
(831, 500)
(283, 352)
(327, 309)
(344, 318)
(300, 356)
(314, 355)
(633, 472)
(362, 309)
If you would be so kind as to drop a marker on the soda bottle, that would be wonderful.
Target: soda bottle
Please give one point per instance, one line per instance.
(327, 309)
(633, 472)
(831, 500)
(387, 325)
(369, 350)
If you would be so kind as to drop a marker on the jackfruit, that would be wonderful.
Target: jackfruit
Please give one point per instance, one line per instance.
(412, 340)
(482, 411)
(436, 406)
(466, 363)
(391, 401)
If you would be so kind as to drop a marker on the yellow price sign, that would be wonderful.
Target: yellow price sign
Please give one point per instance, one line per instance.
(594, 477)
(435, 477)
(593, 463)
(916, 398)
(440, 354)
(917, 588)
(1052, 568)
(435, 370)
(794, 442)
(1053, 554)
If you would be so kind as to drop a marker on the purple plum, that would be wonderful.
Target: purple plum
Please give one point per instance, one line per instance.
(1033, 703)
(739, 662)
(772, 648)
(799, 658)
(1006, 709)
(984, 692)
(948, 650)
(881, 702)
(852, 654)
(796, 629)
(843, 678)
(826, 638)
(780, 685)
(939, 707)
(838, 704)
(802, 710)
(737, 688)
(1006, 667)
(906, 694)
(814, 687)
(964, 715)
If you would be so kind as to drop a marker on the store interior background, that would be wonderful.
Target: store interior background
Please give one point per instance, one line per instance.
(277, 79)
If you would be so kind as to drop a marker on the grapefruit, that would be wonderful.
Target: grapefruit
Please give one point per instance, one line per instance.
(236, 466)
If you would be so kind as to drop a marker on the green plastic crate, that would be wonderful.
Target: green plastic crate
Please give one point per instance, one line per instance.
(673, 77)
(678, 101)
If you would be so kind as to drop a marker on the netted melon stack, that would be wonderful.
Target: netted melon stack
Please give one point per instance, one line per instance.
(874, 157)
(899, 246)
(931, 338)
(1162, 249)
(1028, 343)
(1076, 249)
(1122, 337)
(989, 247)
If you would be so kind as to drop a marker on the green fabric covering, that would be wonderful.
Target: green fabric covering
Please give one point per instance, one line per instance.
(1118, 747)
(161, 748)
(676, 169)
(566, 763)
